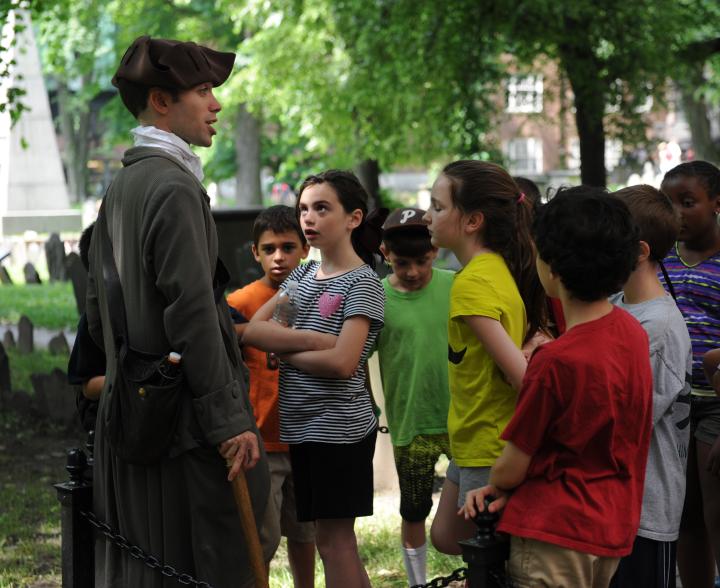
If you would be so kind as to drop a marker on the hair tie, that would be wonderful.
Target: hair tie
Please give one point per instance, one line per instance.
(521, 198)
(370, 232)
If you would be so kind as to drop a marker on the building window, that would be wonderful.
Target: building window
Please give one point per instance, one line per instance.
(525, 156)
(525, 94)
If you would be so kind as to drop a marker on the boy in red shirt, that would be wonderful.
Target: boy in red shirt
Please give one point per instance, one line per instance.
(278, 246)
(571, 476)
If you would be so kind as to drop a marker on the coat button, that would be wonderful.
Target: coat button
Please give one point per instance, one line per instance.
(235, 392)
(142, 393)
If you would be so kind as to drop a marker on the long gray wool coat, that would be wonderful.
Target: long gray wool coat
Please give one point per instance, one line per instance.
(181, 510)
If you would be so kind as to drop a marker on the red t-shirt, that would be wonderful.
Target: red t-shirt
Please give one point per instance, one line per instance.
(263, 381)
(584, 414)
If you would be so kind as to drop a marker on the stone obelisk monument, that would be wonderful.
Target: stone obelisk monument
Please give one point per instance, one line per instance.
(33, 191)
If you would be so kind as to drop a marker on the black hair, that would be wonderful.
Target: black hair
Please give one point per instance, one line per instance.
(84, 245)
(480, 186)
(706, 172)
(135, 96)
(366, 237)
(413, 241)
(589, 240)
(278, 219)
(656, 219)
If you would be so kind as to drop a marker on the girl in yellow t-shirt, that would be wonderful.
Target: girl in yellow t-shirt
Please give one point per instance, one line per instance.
(496, 304)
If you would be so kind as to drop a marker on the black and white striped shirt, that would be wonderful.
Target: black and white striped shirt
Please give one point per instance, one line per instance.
(330, 410)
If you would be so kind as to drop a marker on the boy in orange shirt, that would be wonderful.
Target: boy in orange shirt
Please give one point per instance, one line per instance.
(278, 246)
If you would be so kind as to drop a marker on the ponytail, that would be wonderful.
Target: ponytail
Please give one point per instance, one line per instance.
(521, 260)
(367, 237)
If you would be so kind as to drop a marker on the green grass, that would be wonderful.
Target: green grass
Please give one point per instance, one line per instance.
(22, 366)
(379, 543)
(31, 460)
(50, 305)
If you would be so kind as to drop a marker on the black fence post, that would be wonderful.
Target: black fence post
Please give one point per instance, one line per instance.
(486, 554)
(78, 547)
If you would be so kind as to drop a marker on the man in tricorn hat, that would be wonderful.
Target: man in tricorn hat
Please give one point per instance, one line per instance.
(179, 508)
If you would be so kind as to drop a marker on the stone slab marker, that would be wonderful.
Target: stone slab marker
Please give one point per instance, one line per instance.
(54, 397)
(5, 276)
(31, 274)
(26, 343)
(5, 385)
(9, 340)
(58, 345)
(55, 256)
(78, 276)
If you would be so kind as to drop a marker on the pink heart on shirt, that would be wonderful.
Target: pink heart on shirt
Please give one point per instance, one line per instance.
(329, 303)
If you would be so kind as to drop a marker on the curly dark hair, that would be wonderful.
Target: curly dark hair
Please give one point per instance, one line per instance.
(589, 240)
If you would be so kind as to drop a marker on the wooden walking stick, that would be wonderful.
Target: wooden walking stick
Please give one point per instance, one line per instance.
(247, 519)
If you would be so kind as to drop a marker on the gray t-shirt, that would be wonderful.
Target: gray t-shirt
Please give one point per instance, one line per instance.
(671, 361)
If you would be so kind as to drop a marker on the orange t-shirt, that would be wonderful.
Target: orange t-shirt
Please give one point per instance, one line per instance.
(263, 381)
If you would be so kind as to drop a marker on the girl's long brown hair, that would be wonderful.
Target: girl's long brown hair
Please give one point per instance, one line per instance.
(479, 186)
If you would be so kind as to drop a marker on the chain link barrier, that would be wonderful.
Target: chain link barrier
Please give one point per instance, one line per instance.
(442, 581)
(138, 553)
(500, 580)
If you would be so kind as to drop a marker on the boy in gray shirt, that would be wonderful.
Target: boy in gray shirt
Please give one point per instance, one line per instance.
(652, 561)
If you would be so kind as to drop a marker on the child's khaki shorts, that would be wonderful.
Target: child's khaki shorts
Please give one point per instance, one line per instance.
(536, 564)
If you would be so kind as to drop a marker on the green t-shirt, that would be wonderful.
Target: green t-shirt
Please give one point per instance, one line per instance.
(413, 358)
(481, 400)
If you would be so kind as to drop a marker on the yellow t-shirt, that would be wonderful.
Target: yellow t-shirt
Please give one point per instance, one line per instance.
(481, 400)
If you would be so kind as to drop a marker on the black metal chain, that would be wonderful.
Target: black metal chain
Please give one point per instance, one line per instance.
(138, 553)
(442, 581)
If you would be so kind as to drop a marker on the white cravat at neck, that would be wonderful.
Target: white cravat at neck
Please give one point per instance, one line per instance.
(150, 136)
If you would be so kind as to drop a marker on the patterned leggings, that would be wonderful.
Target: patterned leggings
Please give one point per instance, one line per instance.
(415, 464)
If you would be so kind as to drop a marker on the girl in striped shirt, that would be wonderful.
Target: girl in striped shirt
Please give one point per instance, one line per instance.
(326, 413)
(693, 268)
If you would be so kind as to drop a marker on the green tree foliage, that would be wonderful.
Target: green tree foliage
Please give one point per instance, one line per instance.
(614, 53)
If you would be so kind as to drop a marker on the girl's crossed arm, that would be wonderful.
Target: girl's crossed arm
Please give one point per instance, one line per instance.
(500, 346)
(342, 360)
(267, 335)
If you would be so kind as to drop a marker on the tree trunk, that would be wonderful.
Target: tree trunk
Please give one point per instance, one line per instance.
(696, 113)
(588, 87)
(368, 172)
(74, 127)
(247, 147)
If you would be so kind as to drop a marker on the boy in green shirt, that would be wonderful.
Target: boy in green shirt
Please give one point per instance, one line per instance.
(412, 349)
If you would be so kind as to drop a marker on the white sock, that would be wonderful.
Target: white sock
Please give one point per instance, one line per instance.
(415, 564)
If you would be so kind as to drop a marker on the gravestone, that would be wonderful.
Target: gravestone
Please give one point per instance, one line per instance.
(58, 345)
(5, 276)
(5, 387)
(54, 397)
(55, 256)
(26, 343)
(31, 275)
(9, 340)
(78, 276)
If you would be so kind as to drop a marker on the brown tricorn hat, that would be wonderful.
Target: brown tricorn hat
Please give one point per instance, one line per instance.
(173, 64)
